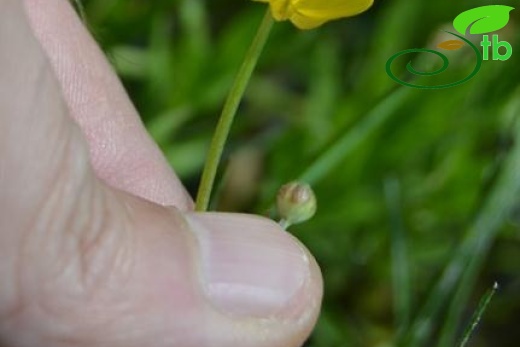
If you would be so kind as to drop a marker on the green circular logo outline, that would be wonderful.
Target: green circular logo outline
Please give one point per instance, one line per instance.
(444, 66)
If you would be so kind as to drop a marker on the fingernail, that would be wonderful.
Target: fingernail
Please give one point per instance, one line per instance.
(250, 266)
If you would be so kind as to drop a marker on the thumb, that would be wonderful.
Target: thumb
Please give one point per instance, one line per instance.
(205, 279)
(139, 274)
(85, 264)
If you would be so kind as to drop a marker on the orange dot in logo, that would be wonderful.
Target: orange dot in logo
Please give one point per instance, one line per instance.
(451, 45)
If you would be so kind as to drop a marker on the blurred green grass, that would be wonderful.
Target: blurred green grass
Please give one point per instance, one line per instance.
(417, 174)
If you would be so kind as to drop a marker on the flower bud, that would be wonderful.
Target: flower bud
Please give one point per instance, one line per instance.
(296, 203)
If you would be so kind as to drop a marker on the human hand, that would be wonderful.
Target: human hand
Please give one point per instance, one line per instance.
(99, 244)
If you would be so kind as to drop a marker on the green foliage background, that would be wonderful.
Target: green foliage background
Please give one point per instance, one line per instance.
(421, 173)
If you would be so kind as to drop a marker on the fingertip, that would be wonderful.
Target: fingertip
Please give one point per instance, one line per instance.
(254, 271)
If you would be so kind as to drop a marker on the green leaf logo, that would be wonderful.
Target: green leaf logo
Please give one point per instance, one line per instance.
(482, 20)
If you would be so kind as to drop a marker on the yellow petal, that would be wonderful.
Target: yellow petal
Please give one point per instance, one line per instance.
(330, 9)
(304, 22)
(308, 14)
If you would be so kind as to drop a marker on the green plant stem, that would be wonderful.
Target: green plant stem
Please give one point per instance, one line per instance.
(228, 112)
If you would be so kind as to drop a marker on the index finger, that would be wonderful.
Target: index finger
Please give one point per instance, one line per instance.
(121, 151)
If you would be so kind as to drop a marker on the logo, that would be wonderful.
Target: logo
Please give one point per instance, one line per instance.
(477, 21)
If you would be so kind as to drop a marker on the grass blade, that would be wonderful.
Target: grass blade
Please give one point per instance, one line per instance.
(399, 250)
(498, 206)
(336, 153)
(78, 5)
(477, 316)
(468, 259)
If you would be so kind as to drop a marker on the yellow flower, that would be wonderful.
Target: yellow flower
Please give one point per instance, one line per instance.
(308, 14)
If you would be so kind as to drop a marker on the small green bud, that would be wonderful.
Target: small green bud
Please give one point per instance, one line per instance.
(296, 203)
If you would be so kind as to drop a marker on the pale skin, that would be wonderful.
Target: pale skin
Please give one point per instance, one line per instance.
(99, 245)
